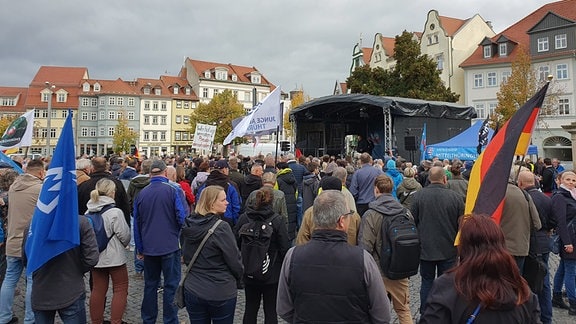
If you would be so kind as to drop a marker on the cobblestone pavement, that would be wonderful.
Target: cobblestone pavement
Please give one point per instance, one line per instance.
(132, 314)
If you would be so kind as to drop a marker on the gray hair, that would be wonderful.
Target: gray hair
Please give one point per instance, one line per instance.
(145, 166)
(340, 173)
(328, 207)
(82, 164)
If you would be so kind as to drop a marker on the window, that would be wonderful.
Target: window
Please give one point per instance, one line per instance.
(131, 129)
(36, 113)
(215, 92)
(562, 71)
(111, 115)
(120, 115)
(478, 80)
(435, 39)
(102, 101)
(204, 92)
(120, 101)
(193, 105)
(163, 120)
(560, 41)
(177, 136)
(64, 114)
(102, 115)
(130, 115)
(234, 77)
(440, 62)
(112, 101)
(157, 91)
(491, 79)
(543, 72)
(492, 107)
(110, 131)
(505, 76)
(146, 105)
(94, 102)
(84, 115)
(188, 91)
(85, 102)
(487, 51)
(147, 90)
(178, 104)
(146, 136)
(235, 93)
(247, 96)
(154, 136)
(44, 113)
(155, 106)
(207, 74)
(102, 131)
(429, 40)
(84, 132)
(255, 78)
(53, 132)
(163, 106)
(162, 136)
(186, 104)
(184, 136)
(154, 120)
(131, 102)
(480, 110)
(53, 113)
(178, 119)
(186, 119)
(543, 44)
(93, 116)
(96, 86)
(44, 132)
(175, 89)
(564, 106)
(93, 131)
(503, 49)
(61, 97)
(86, 87)
(146, 119)
(221, 75)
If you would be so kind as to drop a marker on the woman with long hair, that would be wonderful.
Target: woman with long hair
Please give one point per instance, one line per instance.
(264, 288)
(112, 261)
(564, 211)
(210, 287)
(185, 185)
(486, 285)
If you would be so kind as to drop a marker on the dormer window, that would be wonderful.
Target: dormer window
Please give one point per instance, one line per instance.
(188, 91)
(207, 74)
(487, 51)
(255, 78)
(146, 90)
(157, 91)
(86, 87)
(503, 49)
(61, 96)
(175, 90)
(234, 77)
(221, 74)
(96, 87)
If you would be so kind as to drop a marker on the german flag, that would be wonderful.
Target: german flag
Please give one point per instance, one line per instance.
(489, 176)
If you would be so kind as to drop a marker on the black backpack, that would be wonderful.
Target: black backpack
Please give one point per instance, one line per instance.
(97, 223)
(400, 255)
(255, 243)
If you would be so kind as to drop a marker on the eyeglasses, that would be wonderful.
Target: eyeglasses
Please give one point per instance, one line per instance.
(350, 213)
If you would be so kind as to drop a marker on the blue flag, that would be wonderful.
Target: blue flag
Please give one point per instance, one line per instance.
(54, 228)
(423, 144)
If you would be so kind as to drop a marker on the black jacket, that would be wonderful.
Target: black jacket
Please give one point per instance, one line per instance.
(540, 240)
(563, 211)
(121, 198)
(287, 184)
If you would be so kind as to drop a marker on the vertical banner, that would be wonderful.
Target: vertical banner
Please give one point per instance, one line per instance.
(204, 136)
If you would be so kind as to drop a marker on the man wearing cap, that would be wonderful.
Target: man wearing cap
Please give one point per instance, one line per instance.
(305, 232)
(328, 280)
(219, 177)
(159, 212)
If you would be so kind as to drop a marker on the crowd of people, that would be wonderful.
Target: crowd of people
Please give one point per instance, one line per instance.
(317, 222)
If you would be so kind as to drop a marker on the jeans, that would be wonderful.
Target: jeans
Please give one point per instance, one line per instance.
(167, 265)
(299, 212)
(566, 274)
(428, 274)
(255, 294)
(14, 270)
(520, 260)
(73, 314)
(545, 295)
(203, 311)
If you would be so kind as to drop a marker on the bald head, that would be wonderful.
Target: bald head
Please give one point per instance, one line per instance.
(437, 175)
(526, 179)
(171, 173)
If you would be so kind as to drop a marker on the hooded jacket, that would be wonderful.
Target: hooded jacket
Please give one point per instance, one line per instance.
(218, 268)
(217, 178)
(136, 184)
(251, 182)
(279, 243)
(564, 211)
(371, 228)
(199, 181)
(406, 190)
(286, 183)
(393, 173)
(23, 195)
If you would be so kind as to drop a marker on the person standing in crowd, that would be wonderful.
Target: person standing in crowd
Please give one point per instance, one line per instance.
(279, 200)
(83, 170)
(556, 164)
(341, 174)
(353, 294)
(364, 145)
(264, 289)
(251, 182)
(540, 240)
(436, 210)
(423, 171)
(310, 185)
(23, 195)
(112, 260)
(286, 183)
(130, 170)
(234, 173)
(185, 185)
(519, 218)
(138, 183)
(371, 239)
(394, 174)
(201, 176)
(485, 283)
(210, 288)
(548, 181)
(159, 212)
(299, 171)
(564, 211)
(100, 171)
(458, 183)
(362, 184)
(219, 177)
(407, 188)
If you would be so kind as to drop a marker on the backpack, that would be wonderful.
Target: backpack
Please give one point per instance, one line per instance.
(400, 256)
(97, 223)
(255, 237)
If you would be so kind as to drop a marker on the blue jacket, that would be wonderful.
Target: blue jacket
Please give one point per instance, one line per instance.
(159, 212)
(128, 174)
(393, 173)
(362, 184)
(299, 171)
(232, 212)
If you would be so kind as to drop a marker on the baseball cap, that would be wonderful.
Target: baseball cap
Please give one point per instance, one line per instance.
(221, 164)
(157, 166)
(330, 183)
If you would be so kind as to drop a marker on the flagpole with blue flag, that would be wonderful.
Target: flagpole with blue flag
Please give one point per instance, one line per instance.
(423, 144)
(54, 228)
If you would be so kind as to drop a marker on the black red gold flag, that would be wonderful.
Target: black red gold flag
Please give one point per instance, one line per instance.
(489, 176)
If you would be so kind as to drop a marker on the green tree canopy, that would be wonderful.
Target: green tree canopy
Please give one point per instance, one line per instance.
(414, 75)
(123, 137)
(220, 111)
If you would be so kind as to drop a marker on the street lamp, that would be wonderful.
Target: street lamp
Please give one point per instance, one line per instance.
(50, 88)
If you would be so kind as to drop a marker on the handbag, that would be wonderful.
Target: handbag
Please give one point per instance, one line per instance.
(555, 243)
(534, 272)
(179, 297)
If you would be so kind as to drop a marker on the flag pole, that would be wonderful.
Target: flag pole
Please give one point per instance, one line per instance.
(278, 129)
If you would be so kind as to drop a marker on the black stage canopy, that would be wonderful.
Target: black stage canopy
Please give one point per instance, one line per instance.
(391, 122)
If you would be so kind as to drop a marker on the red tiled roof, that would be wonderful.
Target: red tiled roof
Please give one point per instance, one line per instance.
(17, 93)
(388, 43)
(62, 78)
(517, 32)
(170, 81)
(154, 83)
(117, 86)
(243, 72)
(366, 54)
(451, 25)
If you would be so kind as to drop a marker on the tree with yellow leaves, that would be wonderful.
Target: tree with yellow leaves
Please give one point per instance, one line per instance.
(123, 136)
(298, 98)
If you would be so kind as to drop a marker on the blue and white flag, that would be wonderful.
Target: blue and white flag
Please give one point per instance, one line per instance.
(266, 115)
(423, 144)
(54, 228)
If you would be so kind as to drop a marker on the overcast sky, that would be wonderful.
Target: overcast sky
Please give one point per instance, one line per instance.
(295, 44)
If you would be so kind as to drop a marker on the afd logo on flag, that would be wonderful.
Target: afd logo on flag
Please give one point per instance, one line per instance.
(53, 182)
